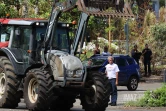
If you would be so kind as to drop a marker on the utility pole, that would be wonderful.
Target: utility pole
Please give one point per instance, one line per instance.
(126, 29)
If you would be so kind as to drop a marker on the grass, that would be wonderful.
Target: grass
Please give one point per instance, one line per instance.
(156, 98)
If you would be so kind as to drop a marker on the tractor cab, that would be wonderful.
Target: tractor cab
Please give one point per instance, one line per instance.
(9, 30)
(29, 39)
(26, 38)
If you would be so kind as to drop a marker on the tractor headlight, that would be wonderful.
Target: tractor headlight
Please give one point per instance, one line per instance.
(74, 74)
(69, 73)
(79, 73)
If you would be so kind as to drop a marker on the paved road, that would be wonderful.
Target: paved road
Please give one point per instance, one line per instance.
(123, 96)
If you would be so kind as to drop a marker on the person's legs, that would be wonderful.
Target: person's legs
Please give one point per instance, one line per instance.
(117, 8)
(114, 92)
(145, 67)
(149, 68)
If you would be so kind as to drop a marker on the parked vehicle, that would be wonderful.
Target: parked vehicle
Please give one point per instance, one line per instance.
(129, 74)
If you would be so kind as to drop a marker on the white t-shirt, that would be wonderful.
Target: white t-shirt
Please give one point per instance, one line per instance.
(111, 70)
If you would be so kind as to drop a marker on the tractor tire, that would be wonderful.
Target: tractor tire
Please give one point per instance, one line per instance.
(9, 83)
(62, 103)
(132, 84)
(97, 92)
(36, 90)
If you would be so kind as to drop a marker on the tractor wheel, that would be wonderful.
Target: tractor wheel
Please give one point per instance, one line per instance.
(97, 92)
(9, 83)
(36, 87)
(62, 103)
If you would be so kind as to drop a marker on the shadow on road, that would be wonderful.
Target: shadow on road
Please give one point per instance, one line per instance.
(130, 91)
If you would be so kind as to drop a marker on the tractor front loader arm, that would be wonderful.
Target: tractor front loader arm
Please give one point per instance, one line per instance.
(102, 8)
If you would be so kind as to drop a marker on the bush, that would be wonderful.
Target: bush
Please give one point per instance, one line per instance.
(156, 98)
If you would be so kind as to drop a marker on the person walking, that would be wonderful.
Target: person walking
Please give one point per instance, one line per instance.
(147, 54)
(112, 74)
(136, 54)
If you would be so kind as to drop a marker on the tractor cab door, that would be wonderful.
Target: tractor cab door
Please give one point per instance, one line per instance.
(20, 44)
(28, 39)
(21, 37)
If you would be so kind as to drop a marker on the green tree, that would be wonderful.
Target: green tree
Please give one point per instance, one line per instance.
(4, 9)
(162, 3)
(159, 32)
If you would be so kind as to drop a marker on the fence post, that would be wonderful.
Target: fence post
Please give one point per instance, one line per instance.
(164, 74)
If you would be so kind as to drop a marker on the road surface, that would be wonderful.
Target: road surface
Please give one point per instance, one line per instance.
(123, 96)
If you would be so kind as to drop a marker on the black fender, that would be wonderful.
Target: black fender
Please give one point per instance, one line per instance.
(16, 58)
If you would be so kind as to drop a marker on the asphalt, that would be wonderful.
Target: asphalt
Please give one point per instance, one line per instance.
(147, 83)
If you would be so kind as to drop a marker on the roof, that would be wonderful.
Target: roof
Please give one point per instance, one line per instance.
(21, 21)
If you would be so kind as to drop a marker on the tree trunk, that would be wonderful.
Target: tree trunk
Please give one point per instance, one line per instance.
(36, 7)
(36, 10)
(25, 9)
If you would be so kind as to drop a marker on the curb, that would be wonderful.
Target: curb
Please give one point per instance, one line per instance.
(152, 79)
(139, 108)
(142, 80)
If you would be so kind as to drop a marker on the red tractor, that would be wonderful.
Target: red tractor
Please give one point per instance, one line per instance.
(7, 25)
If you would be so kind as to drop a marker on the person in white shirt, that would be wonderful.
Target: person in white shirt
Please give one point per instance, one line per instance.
(112, 74)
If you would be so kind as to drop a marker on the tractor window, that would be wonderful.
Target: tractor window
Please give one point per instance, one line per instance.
(40, 32)
(21, 37)
(5, 33)
(60, 40)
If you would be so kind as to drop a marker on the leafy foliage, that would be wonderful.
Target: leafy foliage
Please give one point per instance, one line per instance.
(162, 3)
(157, 40)
(7, 10)
(156, 98)
(159, 31)
(44, 9)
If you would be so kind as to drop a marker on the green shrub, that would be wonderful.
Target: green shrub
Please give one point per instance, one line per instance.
(156, 98)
